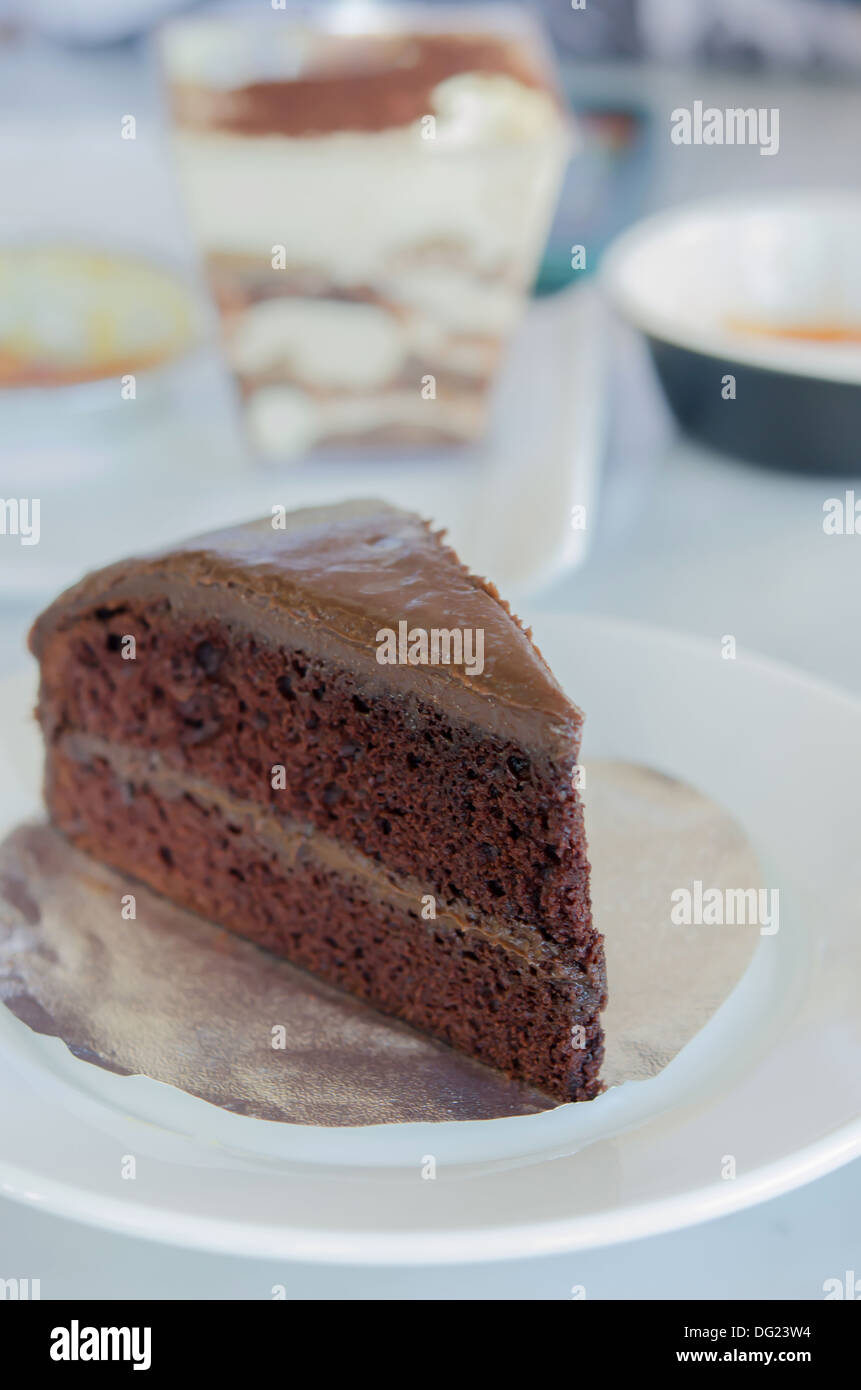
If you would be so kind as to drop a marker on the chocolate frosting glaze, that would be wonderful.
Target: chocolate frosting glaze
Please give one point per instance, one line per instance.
(365, 83)
(327, 581)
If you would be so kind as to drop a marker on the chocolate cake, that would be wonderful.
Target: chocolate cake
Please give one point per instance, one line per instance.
(320, 730)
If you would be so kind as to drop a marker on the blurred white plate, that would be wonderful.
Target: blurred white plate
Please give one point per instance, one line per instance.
(159, 470)
(774, 1080)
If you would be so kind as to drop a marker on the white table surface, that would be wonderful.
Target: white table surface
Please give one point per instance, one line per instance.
(682, 539)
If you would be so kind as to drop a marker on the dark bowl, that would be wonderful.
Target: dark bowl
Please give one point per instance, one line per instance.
(752, 313)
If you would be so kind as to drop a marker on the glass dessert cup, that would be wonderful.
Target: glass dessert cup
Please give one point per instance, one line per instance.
(371, 207)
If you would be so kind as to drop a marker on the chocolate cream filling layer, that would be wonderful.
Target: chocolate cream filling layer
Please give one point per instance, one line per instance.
(292, 840)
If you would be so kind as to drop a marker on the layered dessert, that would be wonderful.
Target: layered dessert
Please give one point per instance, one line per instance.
(371, 207)
(323, 732)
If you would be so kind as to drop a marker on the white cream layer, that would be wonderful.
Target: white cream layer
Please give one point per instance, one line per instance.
(352, 205)
(356, 346)
(284, 421)
(325, 342)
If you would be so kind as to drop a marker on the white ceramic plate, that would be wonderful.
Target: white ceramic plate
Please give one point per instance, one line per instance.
(774, 1080)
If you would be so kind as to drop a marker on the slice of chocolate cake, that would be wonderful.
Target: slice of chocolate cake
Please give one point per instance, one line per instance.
(320, 730)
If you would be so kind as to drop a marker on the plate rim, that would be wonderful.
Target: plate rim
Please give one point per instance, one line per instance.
(475, 1245)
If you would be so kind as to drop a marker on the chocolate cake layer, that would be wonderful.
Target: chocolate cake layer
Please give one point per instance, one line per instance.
(222, 706)
(392, 774)
(292, 839)
(444, 975)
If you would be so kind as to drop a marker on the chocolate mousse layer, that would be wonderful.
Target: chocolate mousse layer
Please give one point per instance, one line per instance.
(361, 83)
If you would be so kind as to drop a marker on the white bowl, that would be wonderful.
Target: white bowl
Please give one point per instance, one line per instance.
(739, 287)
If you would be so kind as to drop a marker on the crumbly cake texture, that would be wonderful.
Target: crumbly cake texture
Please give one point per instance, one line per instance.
(411, 833)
